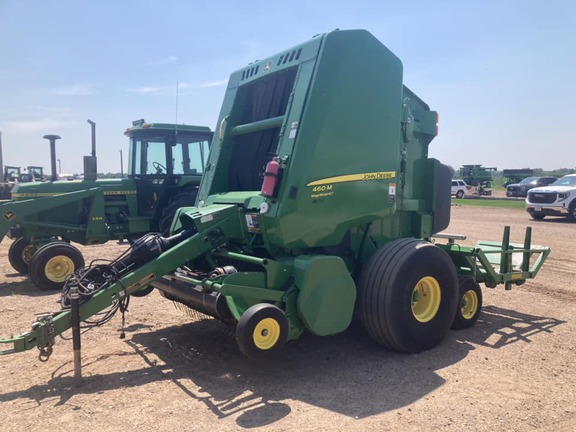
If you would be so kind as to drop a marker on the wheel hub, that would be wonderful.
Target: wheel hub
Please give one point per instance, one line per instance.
(58, 268)
(266, 333)
(27, 253)
(426, 299)
(469, 304)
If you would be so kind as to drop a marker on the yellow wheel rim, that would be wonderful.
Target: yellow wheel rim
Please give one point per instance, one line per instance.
(58, 268)
(27, 253)
(469, 304)
(426, 299)
(266, 333)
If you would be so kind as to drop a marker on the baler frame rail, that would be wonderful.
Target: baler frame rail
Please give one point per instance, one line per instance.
(492, 263)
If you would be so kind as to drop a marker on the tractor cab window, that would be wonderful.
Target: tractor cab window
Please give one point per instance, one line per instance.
(189, 155)
(162, 155)
(148, 156)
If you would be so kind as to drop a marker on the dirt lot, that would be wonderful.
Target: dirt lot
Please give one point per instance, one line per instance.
(513, 371)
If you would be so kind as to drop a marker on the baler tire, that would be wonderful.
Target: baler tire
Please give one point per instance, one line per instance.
(407, 295)
(469, 303)
(20, 253)
(52, 263)
(261, 331)
(184, 198)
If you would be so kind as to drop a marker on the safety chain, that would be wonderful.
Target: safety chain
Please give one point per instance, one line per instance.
(46, 352)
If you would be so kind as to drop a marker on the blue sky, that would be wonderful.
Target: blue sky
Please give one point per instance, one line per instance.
(502, 74)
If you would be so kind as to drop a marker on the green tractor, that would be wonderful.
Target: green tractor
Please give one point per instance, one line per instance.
(45, 218)
(318, 204)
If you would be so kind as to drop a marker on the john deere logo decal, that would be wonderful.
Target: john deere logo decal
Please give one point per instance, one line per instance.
(9, 215)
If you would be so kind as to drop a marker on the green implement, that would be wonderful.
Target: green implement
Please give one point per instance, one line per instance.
(319, 205)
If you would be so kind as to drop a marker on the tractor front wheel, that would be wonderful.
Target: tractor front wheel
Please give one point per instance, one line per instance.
(469, 305)
(20, 253)
(261, 331)
(407, 295)
(53, 263)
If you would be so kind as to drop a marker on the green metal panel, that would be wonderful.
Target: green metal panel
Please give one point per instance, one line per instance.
(349, 137)
(327, 293)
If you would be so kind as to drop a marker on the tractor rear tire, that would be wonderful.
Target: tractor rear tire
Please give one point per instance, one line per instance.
(262, 331)
(186, 197)
(407, 295)
(20, 253)
(53, 263)
(469, 304)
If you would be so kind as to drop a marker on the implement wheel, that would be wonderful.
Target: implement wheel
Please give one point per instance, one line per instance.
(469, 304)
(20, 253)
(262, 331)
(407, 295)
(53, 263)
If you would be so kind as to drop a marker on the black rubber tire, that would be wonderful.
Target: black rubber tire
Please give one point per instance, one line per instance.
(572, 211)
(186, 197)
(52, 263)
(262, 317)
(387, 293)
(537, 216)
(20, 253)
(469, 303)
(459, 194)
(143, 292)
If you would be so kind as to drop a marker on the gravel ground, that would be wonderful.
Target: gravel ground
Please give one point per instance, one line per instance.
(513, 371)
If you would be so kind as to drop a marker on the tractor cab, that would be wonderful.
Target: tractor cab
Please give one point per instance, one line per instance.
(164, 159)
(12, 174)
(36, 173)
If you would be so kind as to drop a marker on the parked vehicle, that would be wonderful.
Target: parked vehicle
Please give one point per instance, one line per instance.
(459, 188)
(557, 199)
(477, 175)
(516, 175)
(522, 188)
(165, 166)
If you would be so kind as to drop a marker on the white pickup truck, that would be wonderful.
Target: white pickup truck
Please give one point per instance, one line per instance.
(557, 199)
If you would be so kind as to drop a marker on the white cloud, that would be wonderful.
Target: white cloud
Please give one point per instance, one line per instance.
(219, 83)
(147, 90)
(207, 84)
(156, 90)
(33, 126)
(164, 61)
(75, 90)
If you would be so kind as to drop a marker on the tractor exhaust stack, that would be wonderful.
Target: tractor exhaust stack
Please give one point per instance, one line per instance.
(90, 162)
(52, 139)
